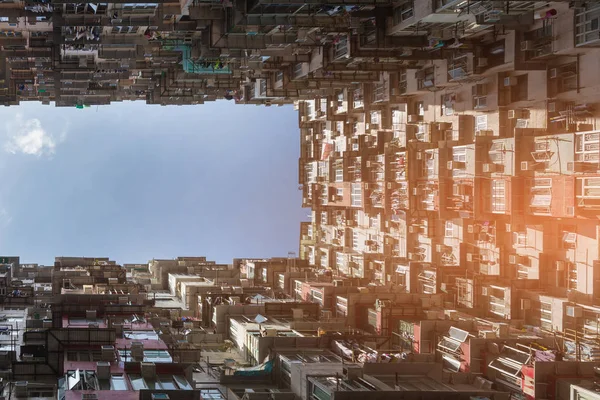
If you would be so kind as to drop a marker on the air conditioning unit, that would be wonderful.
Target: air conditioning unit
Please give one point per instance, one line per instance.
(510, 81)
(103, 370)
(488, 168)
(107, 353)
(527, 45)
(473, 257)
(517, 259)
(488, 334)
(492, 16)
(414, 118)
(574, 311)
(525, 304)
(480, 102)
(450, 165)
(472, 229)
(529, 166)
(442, 248)
(485, 133)
(352, 372)
(148, 370)
(554, 106)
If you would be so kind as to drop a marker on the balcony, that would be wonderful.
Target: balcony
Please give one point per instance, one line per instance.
(399, 199)
(398, 167)
(376, 194)
(425, 79)
(340, 105)
(358, 99)
(588, 192)
(539, 43)
(587, 150)
(460, 67)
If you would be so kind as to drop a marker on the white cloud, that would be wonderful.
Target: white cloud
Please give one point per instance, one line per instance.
(30, 137)
(5, 218)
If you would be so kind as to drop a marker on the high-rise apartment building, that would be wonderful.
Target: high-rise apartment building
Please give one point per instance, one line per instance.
(449, 153)
(469, 167)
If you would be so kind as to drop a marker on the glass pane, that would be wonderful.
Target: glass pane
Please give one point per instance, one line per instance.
(167, 382)
(118, 382)
(137, 382)
(182, 382)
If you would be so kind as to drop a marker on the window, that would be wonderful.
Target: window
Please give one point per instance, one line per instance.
(298, 70)
(587, 24)
(449, 231)
(340, 260)
(587, 146)
(356, 195)
(319, 394)
(520, 239)
(341, 47)
(3, 19)
(375, 117)
(498, 195)
(124, 29)
(541, 195)
(481, 122)
(339, 174)
(139, 8)
(374, 222)
(340, 192)
(324, 259)
(403, 12)
(425, 79)
(497, 152)
(355, 240)
(569, 239)
(211, 394)
(448, 102)
(317, 296)
(117, 382)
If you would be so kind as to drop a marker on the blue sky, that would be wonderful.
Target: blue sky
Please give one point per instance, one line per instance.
(135, 182)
